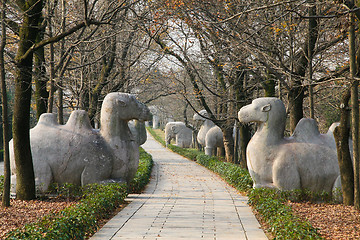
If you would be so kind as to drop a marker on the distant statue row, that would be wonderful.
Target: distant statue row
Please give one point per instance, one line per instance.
(78, 154)
(210, 136)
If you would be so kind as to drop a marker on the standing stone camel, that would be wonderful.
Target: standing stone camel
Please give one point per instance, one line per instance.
(306, 160)
(75, 153)
(210, 136)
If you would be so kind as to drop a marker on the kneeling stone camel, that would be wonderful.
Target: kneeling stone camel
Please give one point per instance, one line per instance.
(306, 160)
(75, 153)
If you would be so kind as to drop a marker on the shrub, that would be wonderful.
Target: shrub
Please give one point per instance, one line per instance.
(77, 221)
(143, 173)
(186, 152)
(270, 204)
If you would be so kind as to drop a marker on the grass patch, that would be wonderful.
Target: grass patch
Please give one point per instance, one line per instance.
(142, 176)
(158, 135)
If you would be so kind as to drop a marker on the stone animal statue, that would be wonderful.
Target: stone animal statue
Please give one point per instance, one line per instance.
(180, 132)
(75, 153)
(306, 160)
(155, 117)
(138, 130)
(210, 136)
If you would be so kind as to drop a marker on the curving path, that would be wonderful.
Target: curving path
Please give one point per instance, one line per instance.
(182, 201)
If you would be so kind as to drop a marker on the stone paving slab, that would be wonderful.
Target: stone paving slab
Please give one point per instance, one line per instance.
(182, 201)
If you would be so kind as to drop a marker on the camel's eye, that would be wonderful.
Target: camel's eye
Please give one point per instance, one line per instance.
(121, 103)
(266, 108)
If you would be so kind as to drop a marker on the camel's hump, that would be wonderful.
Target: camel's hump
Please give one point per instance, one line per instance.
(79, 119)
(48, 119)
(306, 130)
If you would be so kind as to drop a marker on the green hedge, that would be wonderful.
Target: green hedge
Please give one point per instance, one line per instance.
(78, 220)
(283, 224)
(81, 219)
(143, 173)
(269, 203)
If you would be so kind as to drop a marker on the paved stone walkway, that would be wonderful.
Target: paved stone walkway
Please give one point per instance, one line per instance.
(182, 201)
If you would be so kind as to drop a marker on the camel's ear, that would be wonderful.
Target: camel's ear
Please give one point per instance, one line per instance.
(266, 108)
(121, 103)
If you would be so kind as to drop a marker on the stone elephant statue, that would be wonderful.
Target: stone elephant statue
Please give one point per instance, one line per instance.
(180, 132)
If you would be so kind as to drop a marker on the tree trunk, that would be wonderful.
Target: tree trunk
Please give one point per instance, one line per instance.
(60, 113)
(342, 134)
(52, 89)
(355, 110)
(245, 136)
(228, 143)
(107, 66)
(244, 130)
(5, 122)
(296, 98)
(296, 94)
(41, 95)
(311, 45)
(25, 182)
(269, 85)
(236, 143)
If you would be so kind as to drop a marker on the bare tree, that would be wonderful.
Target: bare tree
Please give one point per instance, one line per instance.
(5, 122)
(355, 109)
(31, 14)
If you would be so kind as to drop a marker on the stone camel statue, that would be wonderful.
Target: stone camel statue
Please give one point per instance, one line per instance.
(180, 132)
(77, 154)
(306, 160)
(210, 136)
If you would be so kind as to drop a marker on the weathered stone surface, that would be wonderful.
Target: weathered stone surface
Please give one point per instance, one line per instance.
(75, 153)
(306, 160)
(210, 136)
(180, 132)
(138, 130)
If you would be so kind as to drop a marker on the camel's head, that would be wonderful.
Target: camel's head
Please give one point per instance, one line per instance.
(198, 116)
(125, 106)
(262, 110)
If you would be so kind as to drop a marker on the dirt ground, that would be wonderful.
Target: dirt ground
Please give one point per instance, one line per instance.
(332, 221)
(22, 212)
